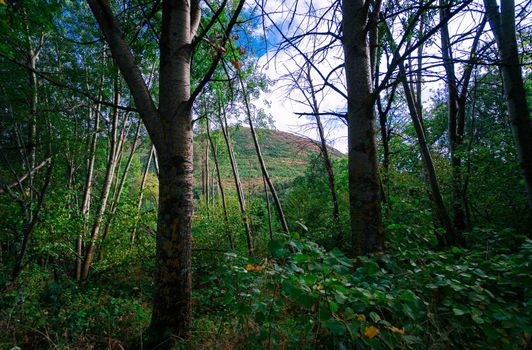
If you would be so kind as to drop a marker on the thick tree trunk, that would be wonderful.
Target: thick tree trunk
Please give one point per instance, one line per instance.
(503, 27)
(170, 129)
(364, 189)
(173, 276)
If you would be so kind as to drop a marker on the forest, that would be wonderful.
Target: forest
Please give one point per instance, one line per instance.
(152, 196)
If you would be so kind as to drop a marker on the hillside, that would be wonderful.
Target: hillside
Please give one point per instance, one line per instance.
(287, 156)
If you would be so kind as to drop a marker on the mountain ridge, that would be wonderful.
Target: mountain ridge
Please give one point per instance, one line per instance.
(286, 155)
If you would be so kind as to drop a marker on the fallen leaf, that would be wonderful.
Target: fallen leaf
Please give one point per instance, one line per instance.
(396, 330)
(371, 331)
(254, 268)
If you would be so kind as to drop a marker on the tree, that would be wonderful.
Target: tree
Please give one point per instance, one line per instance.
(260, 158)
(364, 188)
(170, 128)
(503, 27)
(457, 91)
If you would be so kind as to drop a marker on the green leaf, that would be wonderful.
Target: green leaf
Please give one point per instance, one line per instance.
(477, 319)
(301, 258)
(375, 317)
(333, 306)
(277, 248)
(336, 327)
(408, 296)
(459, 312)
(325, 313)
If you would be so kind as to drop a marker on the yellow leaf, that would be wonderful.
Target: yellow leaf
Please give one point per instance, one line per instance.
(249, 267)
(396, 330)
(2, 2)
(371, 331)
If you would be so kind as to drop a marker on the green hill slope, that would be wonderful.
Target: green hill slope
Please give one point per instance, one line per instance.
(286, 155)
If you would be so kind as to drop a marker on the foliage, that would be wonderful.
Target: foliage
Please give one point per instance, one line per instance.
(411, 297)
(298, 291)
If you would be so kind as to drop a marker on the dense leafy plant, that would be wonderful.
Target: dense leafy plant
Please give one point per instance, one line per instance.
(412, 297)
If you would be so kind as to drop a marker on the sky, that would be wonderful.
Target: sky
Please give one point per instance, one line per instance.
(276, 64)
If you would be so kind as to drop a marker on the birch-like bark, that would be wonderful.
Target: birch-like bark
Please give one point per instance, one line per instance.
(269, 209)
(106, 189)
(87, 193)
(120, 187)
(220, 185)
(141, 191)
(238, 183)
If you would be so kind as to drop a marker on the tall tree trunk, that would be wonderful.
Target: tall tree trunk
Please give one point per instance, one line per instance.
(263, 168)
(457, 91)
(120, 187)
(87, 193)
(170, 129)
(106, 189)
(173, 277)
(221, 186)
(30, 209)
(268, 208)
(450, 235)
(206, 155)
(238, 183)
(455, 126)
(141, 191)
(29, 226)
(327, 163)
(364, 189)
(30, 157)
(503, 27)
